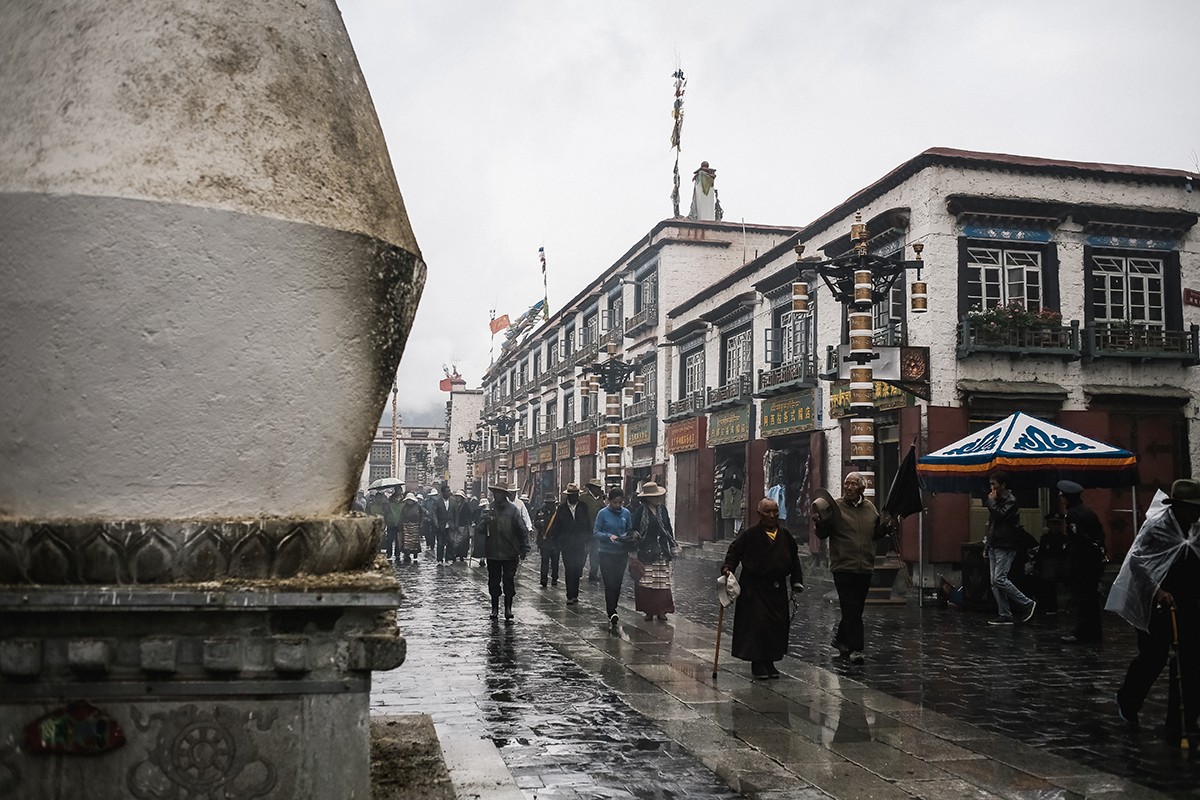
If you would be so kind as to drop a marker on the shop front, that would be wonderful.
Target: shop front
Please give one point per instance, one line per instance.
(542, 475)
(639, 437)
(565, 452)
(519, 471)
(585, 451)
(692, 496)
(791, 470)
(729, 434)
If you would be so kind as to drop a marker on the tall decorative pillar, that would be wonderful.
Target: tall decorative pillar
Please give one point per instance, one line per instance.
(209, 280)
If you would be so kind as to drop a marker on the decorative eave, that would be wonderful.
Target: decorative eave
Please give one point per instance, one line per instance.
(1163, 395)
(687, 330)
(1010, 390)
(734, 307)
(1008, 212)
(887, 226)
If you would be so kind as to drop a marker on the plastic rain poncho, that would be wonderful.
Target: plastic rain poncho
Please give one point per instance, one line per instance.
(1155, 548)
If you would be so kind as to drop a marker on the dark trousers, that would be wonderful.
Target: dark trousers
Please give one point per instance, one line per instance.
(390, 538)
(593, 559)
(1154, 648)
(549, 562)
(573, 559)
(502, 575)
(443, 541)
(852, 588)
(612, 570)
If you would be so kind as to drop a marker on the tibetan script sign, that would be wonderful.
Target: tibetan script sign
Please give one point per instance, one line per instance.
(683, 436)
(639, 432)
(887, 398)
(733, 425)
(790, 413)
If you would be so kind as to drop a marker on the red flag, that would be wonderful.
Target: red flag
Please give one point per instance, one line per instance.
(499, 323)
(445, 384)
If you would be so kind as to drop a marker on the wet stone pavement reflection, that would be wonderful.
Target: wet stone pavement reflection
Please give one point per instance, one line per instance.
(945, 706)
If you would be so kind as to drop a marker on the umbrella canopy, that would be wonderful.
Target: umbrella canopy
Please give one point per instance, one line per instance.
(1033, 452)
(386, 483)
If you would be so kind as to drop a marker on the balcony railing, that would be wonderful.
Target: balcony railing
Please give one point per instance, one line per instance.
(737, 392)
(614, 336)
(1061, 341)
(689, 406)
(642, 408)
(588, 425)
(646, 318)
(798, 374)
(548, 377)
(588, 354)
(1142, 342)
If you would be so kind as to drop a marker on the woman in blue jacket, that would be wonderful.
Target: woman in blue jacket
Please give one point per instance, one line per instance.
(612, 532)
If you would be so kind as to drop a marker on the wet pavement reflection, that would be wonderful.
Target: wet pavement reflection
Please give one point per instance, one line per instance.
(944, 706)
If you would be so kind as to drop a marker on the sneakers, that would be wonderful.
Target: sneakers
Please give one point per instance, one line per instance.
(856, 657)
(1001, 621)
(612, 619)
(1026, 616)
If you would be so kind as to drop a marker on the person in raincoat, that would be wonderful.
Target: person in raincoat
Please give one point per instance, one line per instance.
(1161, 571)
(391, 522)
(771, 576)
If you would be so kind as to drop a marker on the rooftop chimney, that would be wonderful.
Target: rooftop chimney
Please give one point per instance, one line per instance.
(705, 203)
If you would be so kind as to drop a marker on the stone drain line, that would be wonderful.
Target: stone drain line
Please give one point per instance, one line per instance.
(575, 709)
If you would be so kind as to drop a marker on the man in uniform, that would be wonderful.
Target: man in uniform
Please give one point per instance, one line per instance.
(1085, 564)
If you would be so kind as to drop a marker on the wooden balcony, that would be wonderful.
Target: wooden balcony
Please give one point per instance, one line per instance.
(738, 391)
(588, 354)
(584, 426)
(642, 408)
(690, 406)
(1141, 342)
(643, 320)
(1060, 341)
(799, 374)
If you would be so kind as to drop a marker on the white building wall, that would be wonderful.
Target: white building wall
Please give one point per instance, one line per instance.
(465, 407)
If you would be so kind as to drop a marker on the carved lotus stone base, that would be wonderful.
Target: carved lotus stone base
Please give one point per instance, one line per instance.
(191, 690)
(174, 551)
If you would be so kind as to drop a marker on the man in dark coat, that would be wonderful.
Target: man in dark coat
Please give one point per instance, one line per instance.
(507, 543)
(571, 532)
(770, 562)
(1085, 564)
(445, 521)
(546, 545)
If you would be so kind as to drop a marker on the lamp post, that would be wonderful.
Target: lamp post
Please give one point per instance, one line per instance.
(395, 429)
(469, 446)
(504, 423)
(611, 377)
(860, 280)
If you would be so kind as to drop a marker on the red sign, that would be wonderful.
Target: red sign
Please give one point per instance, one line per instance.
(585, 445)
(1191, 297)
(685, 435)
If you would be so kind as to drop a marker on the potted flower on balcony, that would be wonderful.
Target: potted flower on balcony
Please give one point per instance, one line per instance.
(1012, 324)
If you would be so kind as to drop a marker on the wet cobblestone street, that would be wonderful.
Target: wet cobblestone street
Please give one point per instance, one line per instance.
(945, 706)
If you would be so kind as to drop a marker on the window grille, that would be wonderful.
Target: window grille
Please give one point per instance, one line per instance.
(739, 352)
(1127, 288)
(693, 372)
(998, 276)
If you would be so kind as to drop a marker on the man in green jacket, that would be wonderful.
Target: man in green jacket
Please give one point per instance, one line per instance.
(852, 524)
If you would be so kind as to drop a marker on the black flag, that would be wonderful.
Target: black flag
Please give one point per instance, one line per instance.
(904, 497)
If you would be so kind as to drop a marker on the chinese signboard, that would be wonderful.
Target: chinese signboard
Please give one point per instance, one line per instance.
(791, 413)
(520, 458)
(585, 445)
(887, 398)
(683, 436)
(639, 432)
(545, 454)
(727, 427)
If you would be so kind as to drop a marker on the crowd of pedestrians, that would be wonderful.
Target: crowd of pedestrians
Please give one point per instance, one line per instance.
(1157, 590)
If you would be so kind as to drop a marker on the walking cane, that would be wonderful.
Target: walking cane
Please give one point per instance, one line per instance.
(717, 654)
(1177, 668)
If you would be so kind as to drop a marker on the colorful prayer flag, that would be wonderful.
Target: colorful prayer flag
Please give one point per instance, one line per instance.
(499, 323)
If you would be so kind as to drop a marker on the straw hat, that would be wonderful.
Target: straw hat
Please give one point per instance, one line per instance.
(652, 489)
(599, 484)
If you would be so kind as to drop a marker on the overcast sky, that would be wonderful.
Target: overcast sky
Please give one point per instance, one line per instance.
(518, 125)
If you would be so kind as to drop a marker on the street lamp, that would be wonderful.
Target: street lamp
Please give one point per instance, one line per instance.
(611, 377)
(504, 423)
(861, 280)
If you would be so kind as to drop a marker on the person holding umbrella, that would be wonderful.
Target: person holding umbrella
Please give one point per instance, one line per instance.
(770, 562)
(1158, 592)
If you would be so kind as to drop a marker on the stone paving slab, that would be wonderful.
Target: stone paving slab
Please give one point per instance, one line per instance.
(647, 688)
